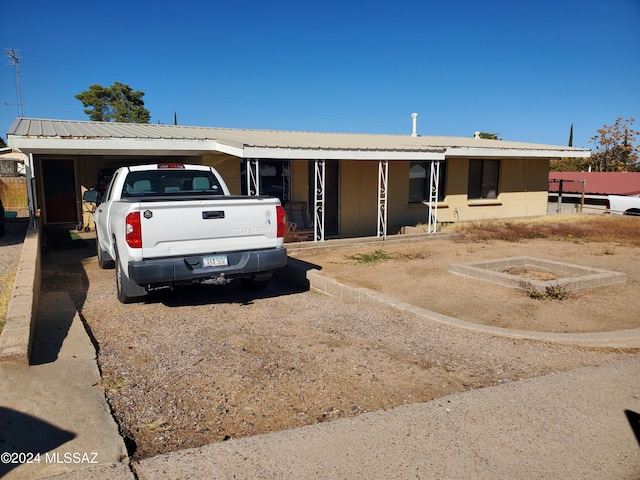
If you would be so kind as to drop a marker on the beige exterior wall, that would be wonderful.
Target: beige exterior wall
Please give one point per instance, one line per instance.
(358, 198)
(299, 180)
(228, 167)
(522, 193)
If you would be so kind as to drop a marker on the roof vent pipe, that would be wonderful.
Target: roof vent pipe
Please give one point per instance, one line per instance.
(415, 124)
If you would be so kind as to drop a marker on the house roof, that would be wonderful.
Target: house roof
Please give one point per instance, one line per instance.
(596, 183)
(32, 135)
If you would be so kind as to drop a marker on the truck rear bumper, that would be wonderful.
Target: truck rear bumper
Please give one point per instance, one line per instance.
(186, 269)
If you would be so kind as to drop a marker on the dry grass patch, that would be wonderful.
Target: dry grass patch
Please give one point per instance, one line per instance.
(620, 230)
(6, 285)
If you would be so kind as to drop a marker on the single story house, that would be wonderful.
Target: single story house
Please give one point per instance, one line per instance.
(586, 192)
(354, 184)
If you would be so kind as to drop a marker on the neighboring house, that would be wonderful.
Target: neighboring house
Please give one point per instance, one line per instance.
(355, 184)
(586, 192)
(13, 183)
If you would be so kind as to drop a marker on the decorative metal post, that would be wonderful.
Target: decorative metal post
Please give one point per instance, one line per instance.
(434, 181)
(253, 176)
(383, 176)
(318, 202)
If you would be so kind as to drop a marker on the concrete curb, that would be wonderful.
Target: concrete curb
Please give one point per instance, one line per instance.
(304, 274)
(17, 334)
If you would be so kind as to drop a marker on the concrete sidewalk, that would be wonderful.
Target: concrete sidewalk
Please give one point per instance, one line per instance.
(573, 425)
(55, 407)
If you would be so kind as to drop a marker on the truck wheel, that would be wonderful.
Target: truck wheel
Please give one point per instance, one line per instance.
(121, 279)
(104, 261)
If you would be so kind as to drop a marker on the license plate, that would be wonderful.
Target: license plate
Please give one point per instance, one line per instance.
(214, 261)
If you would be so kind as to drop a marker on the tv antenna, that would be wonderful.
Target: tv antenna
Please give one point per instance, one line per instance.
(12, 54)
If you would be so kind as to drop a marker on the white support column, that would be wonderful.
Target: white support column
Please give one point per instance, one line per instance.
(318, 202)
(434, 181)
(383, 176)
(253, 176)
(31, 194)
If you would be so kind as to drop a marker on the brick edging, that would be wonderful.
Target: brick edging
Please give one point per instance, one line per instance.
(17, 335)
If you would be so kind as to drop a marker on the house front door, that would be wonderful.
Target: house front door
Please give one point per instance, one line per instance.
(59, 186)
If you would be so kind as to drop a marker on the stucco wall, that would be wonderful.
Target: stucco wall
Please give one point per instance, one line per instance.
(299, 179)
(522, 193)
(229, 168)
(358, 198)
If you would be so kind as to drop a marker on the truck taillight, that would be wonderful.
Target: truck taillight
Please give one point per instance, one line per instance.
(163, 166)
(133, 230)
(282, 223)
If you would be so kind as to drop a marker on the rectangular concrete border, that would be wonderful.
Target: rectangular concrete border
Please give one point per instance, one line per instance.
(573, 277)
(17, 334)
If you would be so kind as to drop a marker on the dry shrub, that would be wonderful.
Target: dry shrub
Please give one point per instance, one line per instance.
(412, 255)
(585, 228)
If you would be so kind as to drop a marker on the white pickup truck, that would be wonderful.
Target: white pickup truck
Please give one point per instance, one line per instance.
(623, 204)
(167, 224)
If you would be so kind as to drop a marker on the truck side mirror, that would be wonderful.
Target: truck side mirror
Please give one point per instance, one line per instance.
(93, 196)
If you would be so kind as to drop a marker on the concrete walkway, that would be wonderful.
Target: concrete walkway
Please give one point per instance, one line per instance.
(55, 407)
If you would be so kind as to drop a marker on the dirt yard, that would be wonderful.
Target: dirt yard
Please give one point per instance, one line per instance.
(416, 273)
(200, 365)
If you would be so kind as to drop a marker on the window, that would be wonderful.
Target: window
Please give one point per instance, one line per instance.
(274, 178)
(109, 191)
(483, 179)
(179, 182)
(420, 181)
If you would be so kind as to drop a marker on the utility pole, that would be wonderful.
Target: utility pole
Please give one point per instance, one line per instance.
(11, 53)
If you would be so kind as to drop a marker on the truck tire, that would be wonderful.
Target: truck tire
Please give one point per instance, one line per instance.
(104, 261)
(123, 284)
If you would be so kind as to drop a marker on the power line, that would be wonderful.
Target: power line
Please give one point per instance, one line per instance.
(11, 53)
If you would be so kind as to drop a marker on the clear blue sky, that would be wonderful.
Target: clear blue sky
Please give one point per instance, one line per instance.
(525, 70)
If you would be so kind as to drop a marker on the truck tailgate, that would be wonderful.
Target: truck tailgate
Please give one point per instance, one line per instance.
(197, 226)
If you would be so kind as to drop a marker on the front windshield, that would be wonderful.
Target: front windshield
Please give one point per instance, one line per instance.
(171, 182)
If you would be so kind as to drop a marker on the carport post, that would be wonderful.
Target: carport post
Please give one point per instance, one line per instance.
(31, 195)
(432, 221)
(253, 176)
(318, 201)
(383, 176)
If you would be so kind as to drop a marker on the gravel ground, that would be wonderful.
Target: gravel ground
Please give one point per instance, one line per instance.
(201, 365)
(10, 250)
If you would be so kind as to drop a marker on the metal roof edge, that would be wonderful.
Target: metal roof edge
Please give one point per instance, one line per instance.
(543, 151)
(247, 143)
(341, 153)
